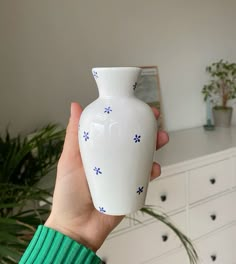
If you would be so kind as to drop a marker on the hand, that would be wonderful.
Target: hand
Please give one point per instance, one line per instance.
(73, 213)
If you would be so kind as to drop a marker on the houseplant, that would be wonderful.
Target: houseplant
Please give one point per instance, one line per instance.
(220, 89)
(24, 160)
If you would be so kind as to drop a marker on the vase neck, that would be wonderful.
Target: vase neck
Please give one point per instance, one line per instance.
(116, 81)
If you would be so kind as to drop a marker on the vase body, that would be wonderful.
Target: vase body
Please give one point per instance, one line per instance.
(117, 137)
(222, 117)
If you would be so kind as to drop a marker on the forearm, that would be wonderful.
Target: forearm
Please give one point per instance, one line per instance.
(51, 246)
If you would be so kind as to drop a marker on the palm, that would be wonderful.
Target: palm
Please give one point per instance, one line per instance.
(72, 199)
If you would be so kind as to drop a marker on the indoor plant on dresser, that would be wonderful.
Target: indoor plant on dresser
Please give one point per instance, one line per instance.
(221, 89)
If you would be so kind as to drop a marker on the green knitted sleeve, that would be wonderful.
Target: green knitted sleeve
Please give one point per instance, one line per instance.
(51, 246)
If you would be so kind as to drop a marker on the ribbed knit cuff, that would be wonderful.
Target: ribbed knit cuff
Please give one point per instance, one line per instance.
(51, 246)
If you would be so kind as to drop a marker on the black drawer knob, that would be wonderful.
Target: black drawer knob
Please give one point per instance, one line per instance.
(213, 180)
(164, 238)
(213, 217)
(163, 197)
(213, 257)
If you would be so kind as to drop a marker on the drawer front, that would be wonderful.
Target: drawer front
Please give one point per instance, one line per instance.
(234, 171)
(217, 249)
(233, 233)
(179, 257)
(124, 224)
(168, 193)
(211, 215)
(209, 180)
(142, 244)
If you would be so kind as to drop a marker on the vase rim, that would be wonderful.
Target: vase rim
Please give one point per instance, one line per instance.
(116, 68)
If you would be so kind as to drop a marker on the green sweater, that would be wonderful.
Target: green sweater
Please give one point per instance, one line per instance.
(50, 246)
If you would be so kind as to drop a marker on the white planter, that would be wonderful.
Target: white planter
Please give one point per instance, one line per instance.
(117, 137)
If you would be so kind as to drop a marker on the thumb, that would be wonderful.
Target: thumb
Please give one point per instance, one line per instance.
(71, 145)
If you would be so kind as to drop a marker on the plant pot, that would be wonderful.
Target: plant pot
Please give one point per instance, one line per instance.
(117, 137)
(222, 116)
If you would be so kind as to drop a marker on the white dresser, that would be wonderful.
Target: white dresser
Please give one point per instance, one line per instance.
(197, 189)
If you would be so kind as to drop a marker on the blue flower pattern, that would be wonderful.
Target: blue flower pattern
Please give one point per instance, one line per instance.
(137, 138)
(95, 74)
(97, 170)
(107, 110)
(86, 135)
(102, 210)
(135, 85)
(140, 190)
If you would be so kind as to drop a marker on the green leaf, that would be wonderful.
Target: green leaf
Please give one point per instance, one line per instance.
(192, 254)
(10, 238)
(222, 82)
(9, 253)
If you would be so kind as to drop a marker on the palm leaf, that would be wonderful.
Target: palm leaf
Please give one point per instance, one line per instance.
(9, 255)
(17, 230)
(24, 160)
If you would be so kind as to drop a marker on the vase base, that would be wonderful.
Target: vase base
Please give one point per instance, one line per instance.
(118, 213)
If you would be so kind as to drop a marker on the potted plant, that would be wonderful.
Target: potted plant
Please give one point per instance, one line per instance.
(220, 89)
(24, 160)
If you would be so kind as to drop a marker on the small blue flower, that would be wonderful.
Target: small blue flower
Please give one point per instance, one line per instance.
(140, 190)
(135, 85)
(137, 138)
(86, 135)
(107, 110)
(95, 74)
(97, 170)
(102, 210)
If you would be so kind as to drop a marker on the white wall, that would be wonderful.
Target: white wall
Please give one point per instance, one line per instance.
(48, 47)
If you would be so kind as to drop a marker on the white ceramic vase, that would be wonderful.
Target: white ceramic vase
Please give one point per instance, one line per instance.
(117, 137)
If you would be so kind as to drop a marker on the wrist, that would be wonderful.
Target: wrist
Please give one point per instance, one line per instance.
(50, 246)
(80, 238)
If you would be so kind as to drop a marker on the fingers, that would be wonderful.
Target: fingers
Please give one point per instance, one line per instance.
(156, 171)
(75, 111)
(162, 136)
(71, 146)
(162, 139)
(156, 112)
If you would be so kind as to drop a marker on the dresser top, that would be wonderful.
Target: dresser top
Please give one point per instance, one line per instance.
(193, 143)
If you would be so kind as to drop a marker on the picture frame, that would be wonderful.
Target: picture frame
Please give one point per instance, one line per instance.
(148, 90)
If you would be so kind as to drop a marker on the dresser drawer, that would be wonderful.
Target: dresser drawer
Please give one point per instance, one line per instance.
(168, 193)
(234, 170)
(179, 257)
(233, 233)
(142, 244)
(124, 224)
(209, 180)
(217, 249)
(207, 217)
(234, 242)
